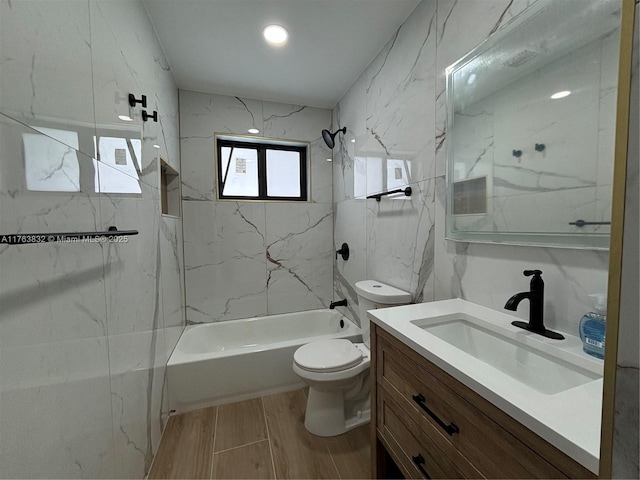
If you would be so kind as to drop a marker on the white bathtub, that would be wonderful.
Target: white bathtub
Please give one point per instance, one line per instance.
(224, 362)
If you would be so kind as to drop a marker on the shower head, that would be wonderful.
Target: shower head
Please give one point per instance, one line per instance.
(329, 137)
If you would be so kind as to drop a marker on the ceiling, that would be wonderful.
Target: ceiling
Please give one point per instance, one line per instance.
(216, 46)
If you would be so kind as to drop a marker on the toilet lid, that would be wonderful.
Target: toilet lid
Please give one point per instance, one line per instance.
(327, 355)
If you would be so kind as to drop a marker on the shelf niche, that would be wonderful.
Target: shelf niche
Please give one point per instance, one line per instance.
(169, 189)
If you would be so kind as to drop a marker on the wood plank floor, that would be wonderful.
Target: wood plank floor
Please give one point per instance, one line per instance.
(259, 438)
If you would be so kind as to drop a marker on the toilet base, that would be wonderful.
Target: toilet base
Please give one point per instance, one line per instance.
(326, 415)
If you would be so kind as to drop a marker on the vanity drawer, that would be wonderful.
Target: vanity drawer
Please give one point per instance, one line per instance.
(415, 452)
(465, 434)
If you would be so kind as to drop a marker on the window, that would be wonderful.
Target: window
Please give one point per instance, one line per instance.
(262, 170)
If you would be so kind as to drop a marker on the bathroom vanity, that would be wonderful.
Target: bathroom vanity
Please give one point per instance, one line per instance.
(438, 411)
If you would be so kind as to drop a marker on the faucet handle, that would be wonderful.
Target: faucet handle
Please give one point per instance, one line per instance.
(528, 273)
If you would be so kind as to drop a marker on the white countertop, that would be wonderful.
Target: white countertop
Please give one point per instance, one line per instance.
(569, 420)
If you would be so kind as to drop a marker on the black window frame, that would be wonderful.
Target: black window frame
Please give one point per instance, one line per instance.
(262, 148)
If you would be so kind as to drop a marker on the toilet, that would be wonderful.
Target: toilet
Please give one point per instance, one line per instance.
(337, 370)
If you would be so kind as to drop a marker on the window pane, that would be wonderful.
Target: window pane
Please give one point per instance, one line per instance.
(283, 173)
(241, 174)
(398, 173)
(117, 170)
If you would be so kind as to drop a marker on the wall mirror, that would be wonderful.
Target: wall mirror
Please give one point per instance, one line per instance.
(531, 117)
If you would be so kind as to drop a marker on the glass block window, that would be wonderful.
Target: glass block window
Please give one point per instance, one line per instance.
(254, 170)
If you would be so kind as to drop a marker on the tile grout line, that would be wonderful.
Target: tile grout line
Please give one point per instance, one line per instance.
(213, 446)
(264, 412)
(242, 446)
(332, 460)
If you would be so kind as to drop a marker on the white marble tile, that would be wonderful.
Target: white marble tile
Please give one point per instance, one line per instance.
(299, 253)
(350, 113)
(349, 226)
(50, 291)
(137, 365)
(172, 266)
(399, 86)
(133, 268)
(225, 267)
(122, 59)
(56, 411)
(400, 239)
(44, 64)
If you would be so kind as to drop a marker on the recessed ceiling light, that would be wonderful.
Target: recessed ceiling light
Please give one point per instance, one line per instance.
(125, 118)
(562, 94)
(156, 146)
(353, 140)
(275, 35)
(329, 159)
(253, 130)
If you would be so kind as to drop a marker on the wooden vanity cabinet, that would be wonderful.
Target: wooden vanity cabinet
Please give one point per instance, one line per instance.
(432, 426)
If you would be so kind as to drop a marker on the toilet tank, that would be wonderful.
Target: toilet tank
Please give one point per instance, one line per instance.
(372, 295)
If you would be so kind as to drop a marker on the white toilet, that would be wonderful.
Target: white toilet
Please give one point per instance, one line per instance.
(337, 371)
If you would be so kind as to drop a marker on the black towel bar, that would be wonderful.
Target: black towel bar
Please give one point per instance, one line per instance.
(407, 191)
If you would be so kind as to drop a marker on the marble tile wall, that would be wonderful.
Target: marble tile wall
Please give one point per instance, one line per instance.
(85, 329)
(396, 110)
(402, 241)
(245, 259)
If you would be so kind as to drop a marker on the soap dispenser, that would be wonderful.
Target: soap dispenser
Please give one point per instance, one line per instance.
(593, 326)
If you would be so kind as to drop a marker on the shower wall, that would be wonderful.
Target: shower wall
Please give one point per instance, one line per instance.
(85, 328)
(245, 259)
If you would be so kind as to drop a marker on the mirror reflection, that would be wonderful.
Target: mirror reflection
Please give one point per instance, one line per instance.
(531, 129)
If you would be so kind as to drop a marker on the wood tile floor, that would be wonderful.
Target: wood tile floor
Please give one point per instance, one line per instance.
(260, 438)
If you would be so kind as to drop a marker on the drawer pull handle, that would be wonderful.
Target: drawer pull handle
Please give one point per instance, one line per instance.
(450, 429)
(419, 462)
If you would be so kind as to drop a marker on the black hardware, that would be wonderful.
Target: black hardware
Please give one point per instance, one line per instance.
(341, 323)
(407, 191)
(540, 147)
(582, 223)
(133, 101)
(418, 460)
(536, 306)
(344, 251)
(450, 429)
(87, 237)
(339, 303)
(146, 116)
(517, 153)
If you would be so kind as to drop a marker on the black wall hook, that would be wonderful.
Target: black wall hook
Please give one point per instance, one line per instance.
(133, 101)
(517, 153)
(540, 147)
(146, 116)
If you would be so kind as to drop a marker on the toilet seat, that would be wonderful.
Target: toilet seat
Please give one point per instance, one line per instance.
(332, 355)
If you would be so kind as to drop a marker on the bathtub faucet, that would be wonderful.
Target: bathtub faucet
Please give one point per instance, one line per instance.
(339, 303)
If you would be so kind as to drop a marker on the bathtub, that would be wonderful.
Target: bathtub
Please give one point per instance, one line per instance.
(224, 362)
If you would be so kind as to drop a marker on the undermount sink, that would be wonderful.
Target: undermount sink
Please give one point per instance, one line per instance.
(532, 367)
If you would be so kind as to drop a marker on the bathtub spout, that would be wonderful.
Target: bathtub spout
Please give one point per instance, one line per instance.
(339, 303)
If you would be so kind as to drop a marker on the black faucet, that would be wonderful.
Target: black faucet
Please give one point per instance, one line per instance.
(339, 303)
(536, 306)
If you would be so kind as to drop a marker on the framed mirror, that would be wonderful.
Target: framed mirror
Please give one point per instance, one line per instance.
(531, 124)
